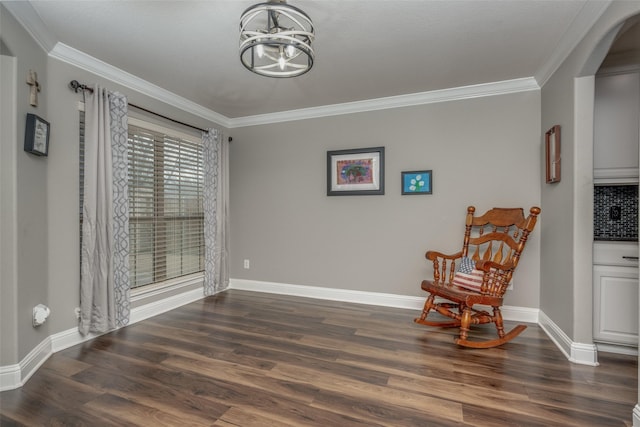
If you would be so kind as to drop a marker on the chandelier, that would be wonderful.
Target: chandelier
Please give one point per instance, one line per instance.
(275, 40)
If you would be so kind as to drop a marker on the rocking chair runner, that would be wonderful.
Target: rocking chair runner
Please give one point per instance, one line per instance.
(495, 241)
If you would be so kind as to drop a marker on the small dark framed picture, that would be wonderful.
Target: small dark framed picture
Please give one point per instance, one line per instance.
(417, 182)
(36, 135)
(552, 154)
(355, 172)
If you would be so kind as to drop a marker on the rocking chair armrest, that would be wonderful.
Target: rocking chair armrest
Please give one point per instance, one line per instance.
(432, 255)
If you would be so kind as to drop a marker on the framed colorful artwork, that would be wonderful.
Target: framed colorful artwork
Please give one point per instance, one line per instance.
(355, 172)
(417, 182)
(552, 154)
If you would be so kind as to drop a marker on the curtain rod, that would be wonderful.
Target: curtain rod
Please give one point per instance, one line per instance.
(76, 87)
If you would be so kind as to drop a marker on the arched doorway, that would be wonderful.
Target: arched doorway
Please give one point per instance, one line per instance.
(618, 48)
(616, 148)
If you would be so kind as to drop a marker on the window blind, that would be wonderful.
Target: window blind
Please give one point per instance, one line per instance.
(166, 211)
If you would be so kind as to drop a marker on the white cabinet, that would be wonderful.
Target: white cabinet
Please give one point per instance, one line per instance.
(615, 293)
(616, 126)
(616, 304)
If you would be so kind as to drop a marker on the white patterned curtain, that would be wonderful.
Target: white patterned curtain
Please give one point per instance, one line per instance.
(216, 209)
(104, 284)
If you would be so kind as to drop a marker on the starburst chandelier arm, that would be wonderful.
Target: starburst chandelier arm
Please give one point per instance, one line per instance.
(296, 21)
(273, 15)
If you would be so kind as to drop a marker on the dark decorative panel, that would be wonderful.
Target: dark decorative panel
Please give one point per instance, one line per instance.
(615, 212)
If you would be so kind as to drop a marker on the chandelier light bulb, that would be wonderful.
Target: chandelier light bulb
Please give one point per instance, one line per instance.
(281, 62)
(290, 50)
(260, 50)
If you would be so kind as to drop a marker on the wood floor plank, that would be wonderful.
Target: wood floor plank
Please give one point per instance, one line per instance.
(62, 396)
(128, 412)
(381, 412)
(250, 359)
(590, 405)
(245, 417)
(362, 388)
(138, 389)
(264, 381)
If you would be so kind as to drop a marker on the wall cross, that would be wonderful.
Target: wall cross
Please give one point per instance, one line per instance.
(32, 80)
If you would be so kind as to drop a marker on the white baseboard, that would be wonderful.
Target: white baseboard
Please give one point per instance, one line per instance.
(331, 294)
(520, 314)
(583, 354)
(636, 415)
(69, 338)
(10, 377)
(14, 376)
(517, 314)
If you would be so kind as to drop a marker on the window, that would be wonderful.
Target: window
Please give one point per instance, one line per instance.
(166, 217)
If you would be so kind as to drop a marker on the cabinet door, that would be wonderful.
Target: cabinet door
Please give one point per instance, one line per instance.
(615, 304)
(615, 130)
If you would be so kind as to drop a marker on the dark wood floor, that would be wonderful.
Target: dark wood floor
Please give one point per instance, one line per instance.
(248, 359)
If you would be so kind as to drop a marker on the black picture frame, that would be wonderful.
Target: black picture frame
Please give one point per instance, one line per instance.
(417, 182)
(36, 135)
(355, 172)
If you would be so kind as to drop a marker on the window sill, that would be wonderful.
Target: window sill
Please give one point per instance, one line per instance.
(150, 291)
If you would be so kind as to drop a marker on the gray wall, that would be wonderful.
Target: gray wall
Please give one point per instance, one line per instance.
(483, 152)
(567, 232)
(26, 204)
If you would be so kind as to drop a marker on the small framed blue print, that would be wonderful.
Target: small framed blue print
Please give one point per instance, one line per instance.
(417, 182)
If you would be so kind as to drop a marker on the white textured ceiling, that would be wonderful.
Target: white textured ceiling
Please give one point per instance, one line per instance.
(365, 49)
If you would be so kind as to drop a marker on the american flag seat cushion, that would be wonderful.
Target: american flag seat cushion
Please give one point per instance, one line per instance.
(468, 276)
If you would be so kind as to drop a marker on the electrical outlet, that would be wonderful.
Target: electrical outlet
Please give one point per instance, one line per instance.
(77, 312)
(247, 264)
(615, 213)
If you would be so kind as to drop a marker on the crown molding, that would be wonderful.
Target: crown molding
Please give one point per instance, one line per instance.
(577, 30)
(86, 62)
(609, 70)
(27, 16)
(421, 98)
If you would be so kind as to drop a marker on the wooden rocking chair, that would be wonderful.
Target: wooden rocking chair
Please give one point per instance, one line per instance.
(479, 274)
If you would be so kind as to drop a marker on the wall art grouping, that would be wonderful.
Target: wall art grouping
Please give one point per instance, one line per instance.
(360, 172)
